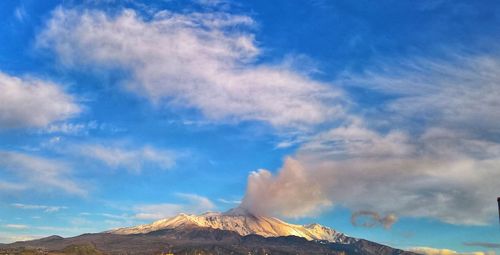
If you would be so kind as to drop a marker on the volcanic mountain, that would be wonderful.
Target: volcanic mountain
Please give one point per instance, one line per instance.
(241, 222)
(232, 232)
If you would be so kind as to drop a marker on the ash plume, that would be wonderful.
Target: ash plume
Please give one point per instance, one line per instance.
(291, 193)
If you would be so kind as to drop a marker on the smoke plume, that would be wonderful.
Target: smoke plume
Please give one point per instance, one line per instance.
(291, 193)
(447, 167)
(433, 175)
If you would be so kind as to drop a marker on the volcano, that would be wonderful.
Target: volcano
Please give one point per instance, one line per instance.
(233, 232)
(242, 222)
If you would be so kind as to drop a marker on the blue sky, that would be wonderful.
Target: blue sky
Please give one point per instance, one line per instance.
(346, 113)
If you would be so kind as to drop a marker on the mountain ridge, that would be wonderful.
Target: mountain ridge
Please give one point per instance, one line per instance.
(208, 233)
(241, 222)
(193, 241)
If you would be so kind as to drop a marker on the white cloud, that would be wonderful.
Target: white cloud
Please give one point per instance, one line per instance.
(132, 159)
(39, 173)
(27, 102)
(16, 226)
(20, 13)
(158, 211)
(196, 60)
(435, 251)
(116, 216)
(110, 220)
(225, 201)
(45, 208)
(210, 2)
(194, 204)
(70, 128)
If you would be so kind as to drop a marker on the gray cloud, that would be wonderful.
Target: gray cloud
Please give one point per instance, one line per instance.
(372, 219)
(447, 170)
(483, 244)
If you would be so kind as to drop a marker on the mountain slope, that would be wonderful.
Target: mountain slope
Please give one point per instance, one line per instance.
(192, 241)
(241, 222)
(233, 232)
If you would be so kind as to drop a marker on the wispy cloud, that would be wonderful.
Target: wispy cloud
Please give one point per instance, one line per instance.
(20, 13)
(194, 204)
(132, 159)
(458, 92)
(483, 244)
(225, 201)
(115, 216)
(38, 173)
(70, 128)
(78, 128)
(193, 60)
(8, 186)
(29, 102)
(45, 208)
(110, 220)
(16, 226)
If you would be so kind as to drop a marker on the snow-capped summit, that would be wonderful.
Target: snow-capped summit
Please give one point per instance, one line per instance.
(241, 221)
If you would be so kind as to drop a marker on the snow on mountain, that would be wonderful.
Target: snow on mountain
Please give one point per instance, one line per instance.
(243, 223)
